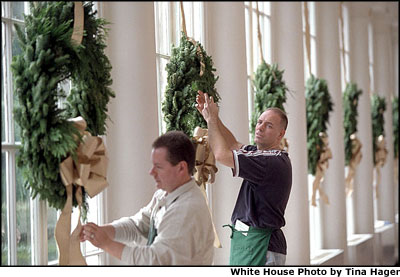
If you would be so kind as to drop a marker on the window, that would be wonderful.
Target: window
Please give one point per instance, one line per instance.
(168, 32)
(314, 212)
(27, 225)
(253, 45)
(345, 70)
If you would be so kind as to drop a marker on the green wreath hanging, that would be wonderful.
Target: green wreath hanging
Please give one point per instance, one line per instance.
(189, 70)
(395, 112)
(378, 107)
(318, 107)
(49, 57)
(270, 91)
(350, 104)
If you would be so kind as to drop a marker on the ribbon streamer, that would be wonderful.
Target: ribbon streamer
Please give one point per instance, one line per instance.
(322, 165)
(380, 159)
(354, 162)
(77, 33)
(89, 171)
(205, 168)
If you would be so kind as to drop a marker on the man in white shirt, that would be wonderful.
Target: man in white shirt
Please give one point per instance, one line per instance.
(176, 222)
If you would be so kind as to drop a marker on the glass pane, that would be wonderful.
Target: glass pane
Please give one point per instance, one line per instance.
(92, 216)
(162, 28)
(24, 251)
(17, 10)
(51, 241)
(93, 260)
(162, 75)
(3, 100)
(16, 50)
(4, 237)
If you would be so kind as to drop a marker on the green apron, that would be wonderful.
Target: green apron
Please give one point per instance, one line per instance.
(152, 233)
(251, 249)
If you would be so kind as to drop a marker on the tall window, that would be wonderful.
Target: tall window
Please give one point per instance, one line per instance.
(315, 213)
(27, 226)
(344, 53)
(168, 24)
(253, 45)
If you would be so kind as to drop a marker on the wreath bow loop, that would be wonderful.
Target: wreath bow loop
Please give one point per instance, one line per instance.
(90, 168)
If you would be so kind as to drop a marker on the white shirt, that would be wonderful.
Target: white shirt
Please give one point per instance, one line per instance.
(185, 234)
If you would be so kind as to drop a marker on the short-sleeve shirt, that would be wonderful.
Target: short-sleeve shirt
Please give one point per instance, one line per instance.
(263, 196)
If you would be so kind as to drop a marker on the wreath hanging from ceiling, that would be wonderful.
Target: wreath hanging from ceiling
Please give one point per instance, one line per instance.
(49, 58)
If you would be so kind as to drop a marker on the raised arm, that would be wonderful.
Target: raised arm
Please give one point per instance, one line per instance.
(230, 139)
(219, 144)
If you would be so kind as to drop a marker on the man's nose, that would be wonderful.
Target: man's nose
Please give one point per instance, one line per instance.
(151, 172)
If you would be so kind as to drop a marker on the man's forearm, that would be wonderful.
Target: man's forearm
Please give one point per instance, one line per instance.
(218, 143)
(230, 139)
(114, 248)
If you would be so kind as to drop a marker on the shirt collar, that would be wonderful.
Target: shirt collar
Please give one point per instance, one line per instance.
(172, 196)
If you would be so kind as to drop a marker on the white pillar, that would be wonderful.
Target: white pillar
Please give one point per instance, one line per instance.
(226, 43)
(359, 73)
(383, 87)
(333, 216)
(133, 124)
(287, 51)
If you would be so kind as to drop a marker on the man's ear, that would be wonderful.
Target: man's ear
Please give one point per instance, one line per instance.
(282, 133)
(183, 166)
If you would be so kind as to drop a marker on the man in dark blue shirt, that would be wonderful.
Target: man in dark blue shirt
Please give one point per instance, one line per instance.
(267, 180)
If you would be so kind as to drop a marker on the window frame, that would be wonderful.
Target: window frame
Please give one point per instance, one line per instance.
(9, 146)
(252, 43)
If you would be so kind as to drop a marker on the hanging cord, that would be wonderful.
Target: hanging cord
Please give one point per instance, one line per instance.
(77, 34)
(198, 49)
(183, 19)
(307, 36)
(342, 40)
(259, 32)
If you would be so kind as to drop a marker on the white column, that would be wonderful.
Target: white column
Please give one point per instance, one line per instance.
(333, 216)
(133, 124)
(359, 73)
(287, 49)
(383, 87)
(226, 43)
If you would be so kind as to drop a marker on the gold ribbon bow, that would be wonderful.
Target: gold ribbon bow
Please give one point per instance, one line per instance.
(285, 144)
(205, 168)
(354, 161)
(322, 165)
(89, 171)
(380, 159)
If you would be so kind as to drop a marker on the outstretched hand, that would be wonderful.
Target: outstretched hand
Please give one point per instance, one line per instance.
(95, 234)
(206, 106)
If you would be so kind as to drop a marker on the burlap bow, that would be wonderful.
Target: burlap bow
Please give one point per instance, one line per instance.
(285, 144)
(205, 167)
(89, 171)
(322, 165)
(380, 159)
(354, 161)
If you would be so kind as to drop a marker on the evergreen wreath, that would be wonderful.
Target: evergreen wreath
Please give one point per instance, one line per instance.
(48, 58)
(395, 111)
(184, 81)
(350, 104)
(378, 107)
(318, 107)
(270, 91)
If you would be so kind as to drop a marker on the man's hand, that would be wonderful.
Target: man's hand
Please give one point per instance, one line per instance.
(207, 107)
(96, 235)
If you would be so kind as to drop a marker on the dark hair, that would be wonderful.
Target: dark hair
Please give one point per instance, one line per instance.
(179, 148)
(282, 115)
